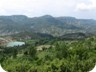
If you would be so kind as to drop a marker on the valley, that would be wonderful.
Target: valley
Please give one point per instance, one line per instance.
(47, 44)
(47, 54)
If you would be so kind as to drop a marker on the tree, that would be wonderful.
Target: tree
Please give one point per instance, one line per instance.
(32, 51)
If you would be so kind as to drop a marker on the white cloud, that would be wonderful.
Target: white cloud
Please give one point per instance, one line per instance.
(84, 6)
(35, 7)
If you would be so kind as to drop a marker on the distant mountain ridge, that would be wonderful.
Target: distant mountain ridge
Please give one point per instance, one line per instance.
(55, 26)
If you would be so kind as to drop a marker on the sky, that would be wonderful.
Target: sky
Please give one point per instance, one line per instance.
(85, 9)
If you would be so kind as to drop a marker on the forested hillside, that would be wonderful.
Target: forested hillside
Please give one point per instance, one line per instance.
(55, 26)
(45, 55)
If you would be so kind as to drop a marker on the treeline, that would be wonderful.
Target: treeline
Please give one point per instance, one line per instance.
(62, 56)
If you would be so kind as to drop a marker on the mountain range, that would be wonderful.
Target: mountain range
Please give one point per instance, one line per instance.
(56, 26)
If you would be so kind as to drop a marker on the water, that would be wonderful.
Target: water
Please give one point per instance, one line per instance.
(12, 44)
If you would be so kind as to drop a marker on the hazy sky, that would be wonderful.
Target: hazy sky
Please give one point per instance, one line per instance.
(32, 8)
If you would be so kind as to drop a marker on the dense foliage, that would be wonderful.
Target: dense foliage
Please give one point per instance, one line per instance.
(61, 56)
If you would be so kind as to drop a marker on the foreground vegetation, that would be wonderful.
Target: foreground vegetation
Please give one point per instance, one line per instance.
(61, 56)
